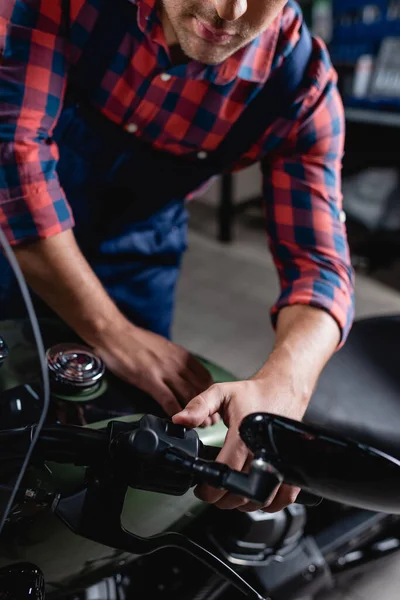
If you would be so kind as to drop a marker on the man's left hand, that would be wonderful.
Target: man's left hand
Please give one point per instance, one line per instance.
(234, 401)
(306, 339)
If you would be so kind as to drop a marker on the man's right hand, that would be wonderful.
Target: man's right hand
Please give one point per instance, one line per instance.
(58, 272)
(167, 372)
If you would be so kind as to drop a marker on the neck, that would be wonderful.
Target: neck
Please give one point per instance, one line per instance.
(177, 55)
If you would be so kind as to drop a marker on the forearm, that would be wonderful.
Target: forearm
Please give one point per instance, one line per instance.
(304, 219)
(57, 271)
(306, 338)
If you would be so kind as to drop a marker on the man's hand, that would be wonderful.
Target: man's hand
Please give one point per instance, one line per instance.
(235, 401)
(56, 269)
(164, 370)
(306, 338)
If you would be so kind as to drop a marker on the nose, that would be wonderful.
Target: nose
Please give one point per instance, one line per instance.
(230, 10)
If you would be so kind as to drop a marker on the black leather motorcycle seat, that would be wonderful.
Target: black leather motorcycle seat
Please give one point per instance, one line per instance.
(358, 394)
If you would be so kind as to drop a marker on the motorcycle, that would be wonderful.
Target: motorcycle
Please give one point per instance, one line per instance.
(106, 509)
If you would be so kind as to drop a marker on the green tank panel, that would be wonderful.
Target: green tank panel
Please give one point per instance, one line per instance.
(22, 364)
(64, 557)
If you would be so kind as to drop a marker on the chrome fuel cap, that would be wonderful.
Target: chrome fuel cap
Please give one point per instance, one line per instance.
(3, 351)
(74, 366)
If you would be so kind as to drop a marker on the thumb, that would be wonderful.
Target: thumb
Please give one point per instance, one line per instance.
(202, 406)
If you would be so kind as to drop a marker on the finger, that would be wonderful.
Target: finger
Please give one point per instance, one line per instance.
(200, 382)
(207, 422)
(210, 421)
(249, 507)
(231, 502)
(253, 506)
(285, 496)
(165, 398)
(234, 454)
(248, 463)
(202, 406)
(183, 390)
(199, 370)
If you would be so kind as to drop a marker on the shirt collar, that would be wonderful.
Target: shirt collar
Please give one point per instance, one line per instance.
(252, 63)
(147, 14)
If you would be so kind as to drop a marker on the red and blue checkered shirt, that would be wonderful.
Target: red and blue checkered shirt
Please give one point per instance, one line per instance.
(300, 157)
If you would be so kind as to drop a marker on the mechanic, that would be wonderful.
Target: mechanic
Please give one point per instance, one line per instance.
(113, 113)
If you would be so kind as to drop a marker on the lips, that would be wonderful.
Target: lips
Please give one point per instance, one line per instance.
(210, 33)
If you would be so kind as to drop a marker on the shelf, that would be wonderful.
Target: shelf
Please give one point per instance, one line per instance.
(373, 117)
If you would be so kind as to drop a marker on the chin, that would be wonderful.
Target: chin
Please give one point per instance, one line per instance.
(208, 58)
(205, 55)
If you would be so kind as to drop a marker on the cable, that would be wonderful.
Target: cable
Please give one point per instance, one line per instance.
(43, 367)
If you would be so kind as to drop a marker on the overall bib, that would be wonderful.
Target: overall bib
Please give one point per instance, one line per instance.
(127, 198)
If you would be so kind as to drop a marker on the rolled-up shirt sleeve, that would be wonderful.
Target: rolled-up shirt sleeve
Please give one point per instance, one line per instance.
(32, 84)
(305, 220)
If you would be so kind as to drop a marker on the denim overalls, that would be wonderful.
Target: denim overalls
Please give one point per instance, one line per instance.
(128, 199)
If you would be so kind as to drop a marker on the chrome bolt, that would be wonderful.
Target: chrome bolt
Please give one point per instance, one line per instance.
(312, 568)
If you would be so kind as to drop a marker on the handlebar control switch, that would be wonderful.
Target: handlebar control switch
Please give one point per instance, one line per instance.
(139, 453)
(144, 442)
(3, 351)
(74, 367)
(175, 431)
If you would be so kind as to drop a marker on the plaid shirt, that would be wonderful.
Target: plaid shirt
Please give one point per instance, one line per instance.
(179, 109)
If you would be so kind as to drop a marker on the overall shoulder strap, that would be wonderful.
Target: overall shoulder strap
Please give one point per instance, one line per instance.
(66, 18)
(105, 39)
(271, 103)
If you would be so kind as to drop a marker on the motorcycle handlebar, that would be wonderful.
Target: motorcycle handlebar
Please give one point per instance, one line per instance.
(85, 447)
(58, 443)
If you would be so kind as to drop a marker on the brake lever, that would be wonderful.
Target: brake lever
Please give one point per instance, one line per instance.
(257, 485)
(210, 453)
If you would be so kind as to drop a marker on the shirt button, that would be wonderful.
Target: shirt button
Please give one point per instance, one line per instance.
(132, 128)
(342, 216)
(165, 76)
(202, 155)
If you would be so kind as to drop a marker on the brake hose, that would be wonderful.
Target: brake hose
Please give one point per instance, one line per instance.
(43, 368)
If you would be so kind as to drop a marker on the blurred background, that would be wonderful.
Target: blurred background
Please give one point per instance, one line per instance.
(229, 281)
(364, 42)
